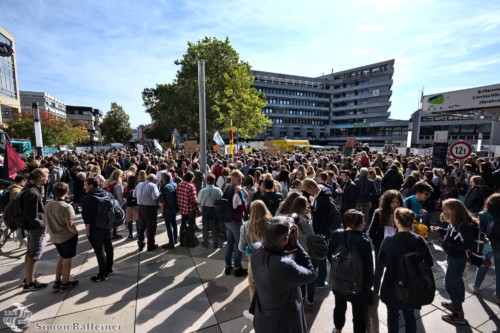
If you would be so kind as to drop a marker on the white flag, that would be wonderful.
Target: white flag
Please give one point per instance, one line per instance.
(218, 139)
(157, 145)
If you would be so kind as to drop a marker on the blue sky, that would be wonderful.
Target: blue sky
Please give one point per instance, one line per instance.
(96, 52)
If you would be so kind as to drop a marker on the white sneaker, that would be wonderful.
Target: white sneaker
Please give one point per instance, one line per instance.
(473, 288)
(248, 315)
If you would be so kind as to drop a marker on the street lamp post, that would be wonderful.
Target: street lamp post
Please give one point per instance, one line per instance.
(38, 128)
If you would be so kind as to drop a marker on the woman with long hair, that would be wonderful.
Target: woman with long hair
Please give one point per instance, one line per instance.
(448, 191)
(489, 223)
(141, 178)
(407, 187)
(251, 232)
(458, 237)
(114, 186)
(382, 226)
(301, 208)
(132, 211)
(284, 208)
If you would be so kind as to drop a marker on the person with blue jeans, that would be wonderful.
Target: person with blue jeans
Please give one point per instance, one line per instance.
(235, 194)
(458, 238)
(393, 247)
(169, 208)
(490, 225)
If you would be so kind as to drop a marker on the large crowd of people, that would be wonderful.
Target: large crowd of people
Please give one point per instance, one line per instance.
(280, 206)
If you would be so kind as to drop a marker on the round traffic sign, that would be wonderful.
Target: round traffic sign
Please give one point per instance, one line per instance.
(460, 150)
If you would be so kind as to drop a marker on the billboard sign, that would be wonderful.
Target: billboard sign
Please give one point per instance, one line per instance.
(473, 98)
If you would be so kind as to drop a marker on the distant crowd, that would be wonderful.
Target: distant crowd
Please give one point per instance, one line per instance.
(292, 214)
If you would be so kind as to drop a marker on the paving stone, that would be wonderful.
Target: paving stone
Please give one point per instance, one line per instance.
(184, 309)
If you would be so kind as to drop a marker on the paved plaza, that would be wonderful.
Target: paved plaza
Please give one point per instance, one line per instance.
(185, 290)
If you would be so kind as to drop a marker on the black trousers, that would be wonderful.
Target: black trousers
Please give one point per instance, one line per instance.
(359, 314)
(103, 248)
(147, 223)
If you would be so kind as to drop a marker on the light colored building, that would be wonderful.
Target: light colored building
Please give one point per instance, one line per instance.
(10, 101)
(45, 102)
(468, 115)
(331, 108)
(89, 116)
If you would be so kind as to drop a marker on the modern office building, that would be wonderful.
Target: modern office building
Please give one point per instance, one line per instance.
(460, 127)
(89, 116)
(45, 102)
(470, 115)
(10, 102)
(331, 108)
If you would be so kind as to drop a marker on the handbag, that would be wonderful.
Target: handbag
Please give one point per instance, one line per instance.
(317, 246)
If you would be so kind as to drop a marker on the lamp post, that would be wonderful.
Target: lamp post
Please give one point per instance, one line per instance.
(38, 128)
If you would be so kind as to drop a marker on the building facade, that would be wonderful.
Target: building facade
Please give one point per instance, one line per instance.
(460, 128)
(10, 102)
(89, 116)
(45, 102)
(331, 108)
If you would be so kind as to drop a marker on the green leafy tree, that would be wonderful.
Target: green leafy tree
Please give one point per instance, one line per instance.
(229, 95)
(115, 126)
(55, 131)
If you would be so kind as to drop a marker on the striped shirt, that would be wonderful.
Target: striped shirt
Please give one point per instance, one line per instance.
(208, 195)
(147, 194)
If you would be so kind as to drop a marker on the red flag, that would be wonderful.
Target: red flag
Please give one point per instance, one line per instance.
(14, 162)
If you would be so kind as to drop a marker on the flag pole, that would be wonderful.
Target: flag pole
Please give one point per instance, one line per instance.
(203, 120)
(231, 138)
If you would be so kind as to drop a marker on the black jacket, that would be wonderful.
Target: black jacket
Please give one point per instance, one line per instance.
(392, 180)
(376, 230)
(457, 239)
(474, 199)
(89, 205)
(349, 197)
(390, 254)
(366, 189)
(321, 211)
(32, 203)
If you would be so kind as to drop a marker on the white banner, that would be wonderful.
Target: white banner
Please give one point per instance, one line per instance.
(474, 98)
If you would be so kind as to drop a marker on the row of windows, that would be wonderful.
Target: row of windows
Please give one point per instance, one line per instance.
(271, 100)
(297, 121)
(296, 112)
(8, 86)
(456, 129)
(370, 131)
(427, 119)
(7, 74)
(292, 93)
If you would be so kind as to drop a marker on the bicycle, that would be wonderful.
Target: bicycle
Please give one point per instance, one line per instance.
(5, 234)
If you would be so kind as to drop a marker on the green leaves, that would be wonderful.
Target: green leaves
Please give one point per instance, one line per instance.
(228, 90)
(115, 126)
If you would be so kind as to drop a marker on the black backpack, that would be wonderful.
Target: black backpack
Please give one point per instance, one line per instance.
(13, 214)
(415, 284)
(66, 176)
(4, 199)
(346, 273)
(131, 200)
(109, 213)
(224, 208)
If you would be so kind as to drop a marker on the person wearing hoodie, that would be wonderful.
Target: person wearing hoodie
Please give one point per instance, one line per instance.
(366, 192)
(458, 237)
(320, 207)
(99, 238)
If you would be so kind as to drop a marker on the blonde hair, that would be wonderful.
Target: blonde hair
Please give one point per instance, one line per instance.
(259, 215)
(142, 176)
(116, 176)
(458, 213)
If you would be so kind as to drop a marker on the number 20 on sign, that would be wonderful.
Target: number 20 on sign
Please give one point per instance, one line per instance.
(460, 150)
